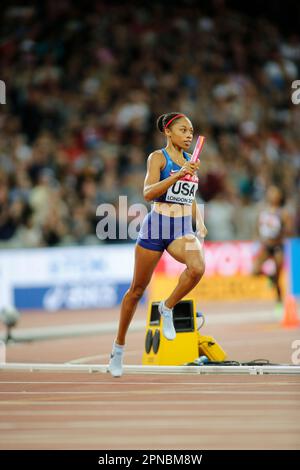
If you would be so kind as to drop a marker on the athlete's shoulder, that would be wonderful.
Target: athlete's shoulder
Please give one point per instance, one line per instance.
(156, 156)
(189, 155)
(156, 153)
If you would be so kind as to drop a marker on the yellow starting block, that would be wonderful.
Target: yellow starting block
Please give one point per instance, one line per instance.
(209, 347)
(188, 345)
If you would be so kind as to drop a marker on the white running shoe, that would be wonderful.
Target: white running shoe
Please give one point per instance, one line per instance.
(115, 366)
(168, 329)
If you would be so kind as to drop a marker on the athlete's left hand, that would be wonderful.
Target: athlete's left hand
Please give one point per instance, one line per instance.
(202, 232)
(197, 164)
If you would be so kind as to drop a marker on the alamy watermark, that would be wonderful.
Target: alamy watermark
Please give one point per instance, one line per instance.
(296, 354)
(296, 94)
(132, 222)
(2, 92)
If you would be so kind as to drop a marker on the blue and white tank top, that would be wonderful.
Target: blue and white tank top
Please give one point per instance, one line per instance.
(270, 224)
(181, 192)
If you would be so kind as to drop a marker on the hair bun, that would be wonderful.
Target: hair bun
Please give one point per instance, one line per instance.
(159, 123)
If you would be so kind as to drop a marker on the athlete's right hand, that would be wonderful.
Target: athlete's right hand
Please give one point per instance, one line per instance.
(188, 168)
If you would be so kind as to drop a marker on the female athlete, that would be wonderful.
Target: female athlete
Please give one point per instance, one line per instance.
(273, 225)
(168, 226)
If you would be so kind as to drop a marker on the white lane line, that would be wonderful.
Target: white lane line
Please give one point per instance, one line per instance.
(102, 403)
(265, 340)
(64, 331)
(156, 392)
(86, 359)
(168, 440)
(200, 383)
(154, 370)
(148, 412)
(279, 425)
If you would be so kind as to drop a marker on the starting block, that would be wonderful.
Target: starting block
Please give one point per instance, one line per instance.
(188, 345)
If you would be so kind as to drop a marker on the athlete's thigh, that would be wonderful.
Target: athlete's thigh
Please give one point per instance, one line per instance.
(187, 250)
(260, 258)
(144, 265)
(278, 258)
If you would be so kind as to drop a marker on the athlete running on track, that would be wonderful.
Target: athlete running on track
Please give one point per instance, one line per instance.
(273, 225)
(168, 226)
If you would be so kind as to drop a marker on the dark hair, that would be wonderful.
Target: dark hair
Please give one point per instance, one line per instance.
(163, 120)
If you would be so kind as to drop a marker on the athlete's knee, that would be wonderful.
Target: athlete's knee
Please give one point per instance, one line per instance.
(136, 292)
(196, 271)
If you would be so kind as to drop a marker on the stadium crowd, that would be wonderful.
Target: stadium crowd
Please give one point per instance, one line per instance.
(85, 85)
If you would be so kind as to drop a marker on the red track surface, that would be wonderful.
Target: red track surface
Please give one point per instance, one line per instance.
(95, 411)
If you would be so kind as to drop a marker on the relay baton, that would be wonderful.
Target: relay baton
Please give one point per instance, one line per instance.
(195, 157)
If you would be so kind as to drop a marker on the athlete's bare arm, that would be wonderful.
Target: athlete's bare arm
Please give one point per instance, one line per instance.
(197, 217)
(288, 225)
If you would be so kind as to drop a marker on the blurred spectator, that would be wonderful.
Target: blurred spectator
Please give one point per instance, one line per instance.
(220, 218)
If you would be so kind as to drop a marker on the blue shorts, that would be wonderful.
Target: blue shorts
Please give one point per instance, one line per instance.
(158, 230)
